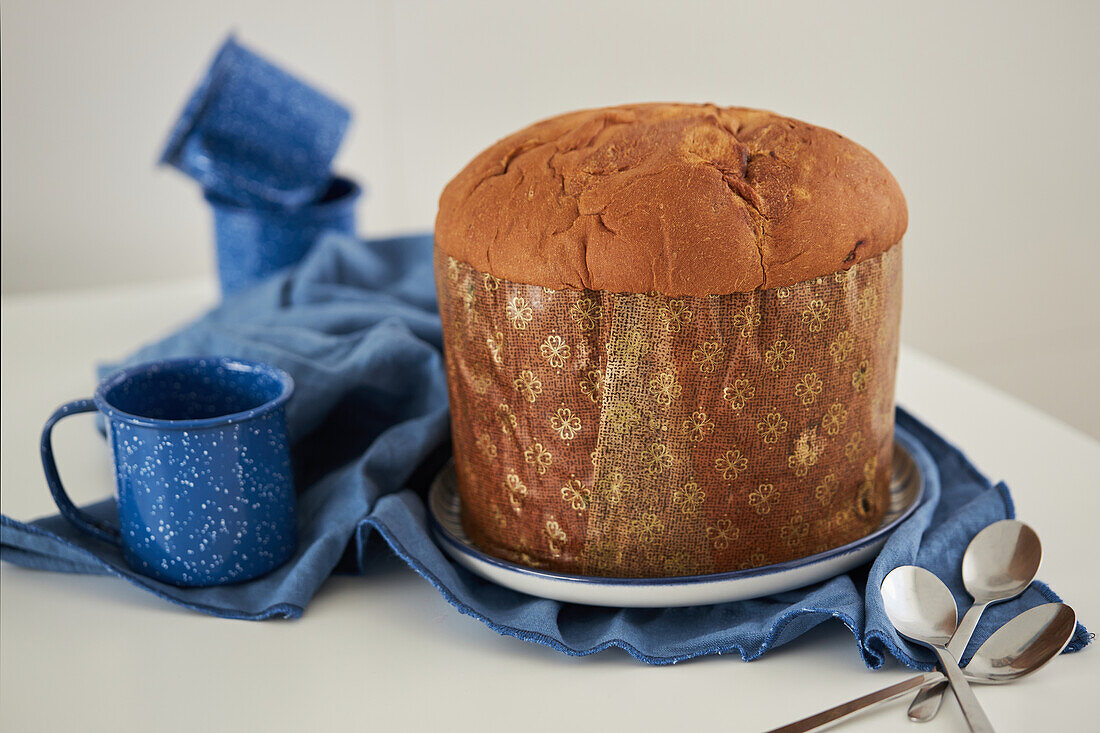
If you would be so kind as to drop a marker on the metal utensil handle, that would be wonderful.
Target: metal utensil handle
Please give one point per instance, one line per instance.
(972, 709)
(927, 702)
(846, 710)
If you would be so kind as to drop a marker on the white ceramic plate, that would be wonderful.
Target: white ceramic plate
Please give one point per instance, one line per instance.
(444, 505)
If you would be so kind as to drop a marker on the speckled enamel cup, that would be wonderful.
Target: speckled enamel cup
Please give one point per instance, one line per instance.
(202, 461)
(255, 134)
(254, 243)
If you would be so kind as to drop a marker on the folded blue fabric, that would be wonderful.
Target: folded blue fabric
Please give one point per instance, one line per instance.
(356, 325)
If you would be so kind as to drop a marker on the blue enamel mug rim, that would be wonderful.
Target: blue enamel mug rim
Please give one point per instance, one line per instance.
(99, 403)
(285, 381)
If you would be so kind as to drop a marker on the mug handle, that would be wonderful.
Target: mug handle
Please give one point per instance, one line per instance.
(80, 520)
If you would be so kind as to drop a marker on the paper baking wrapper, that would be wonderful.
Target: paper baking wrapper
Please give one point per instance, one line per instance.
(639, 435)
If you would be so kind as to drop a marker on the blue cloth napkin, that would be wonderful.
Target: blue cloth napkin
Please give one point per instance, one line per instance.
(356, 325)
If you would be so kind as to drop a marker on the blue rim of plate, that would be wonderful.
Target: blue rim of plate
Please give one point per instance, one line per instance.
(905, 472)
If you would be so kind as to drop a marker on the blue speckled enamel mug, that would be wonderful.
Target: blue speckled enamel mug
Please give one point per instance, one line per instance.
(202, 461)
(253, 133)
(254, 243)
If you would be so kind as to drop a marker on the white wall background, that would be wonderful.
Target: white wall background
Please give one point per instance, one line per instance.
(986, 112)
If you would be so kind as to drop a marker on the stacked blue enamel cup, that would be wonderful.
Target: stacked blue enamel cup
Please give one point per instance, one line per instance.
(261, 143)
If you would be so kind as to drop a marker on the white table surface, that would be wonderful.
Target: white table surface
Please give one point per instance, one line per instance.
(386, 652)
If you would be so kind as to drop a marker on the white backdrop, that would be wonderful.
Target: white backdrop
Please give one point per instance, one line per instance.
(985, 112)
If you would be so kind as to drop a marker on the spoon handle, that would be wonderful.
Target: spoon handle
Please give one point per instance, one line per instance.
(972, 709)
(927, 702)
(965, 630)
(846, 710)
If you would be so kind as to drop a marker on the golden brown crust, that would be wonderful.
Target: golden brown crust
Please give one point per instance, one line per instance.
(670, 198)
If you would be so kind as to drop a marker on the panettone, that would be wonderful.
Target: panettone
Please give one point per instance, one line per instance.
(671, 336)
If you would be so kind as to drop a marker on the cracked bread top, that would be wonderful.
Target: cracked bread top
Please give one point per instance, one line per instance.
(680, 199)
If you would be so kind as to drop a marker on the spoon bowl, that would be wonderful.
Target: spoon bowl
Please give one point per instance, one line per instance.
(1001, 561)
(919, 605)
(1024, 645)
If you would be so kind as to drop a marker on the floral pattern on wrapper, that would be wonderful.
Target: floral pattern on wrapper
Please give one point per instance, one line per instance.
(639, 435)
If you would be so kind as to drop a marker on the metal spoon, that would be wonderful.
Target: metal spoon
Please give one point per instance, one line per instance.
(921, 608)
(999, 564)
(1022, 646)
